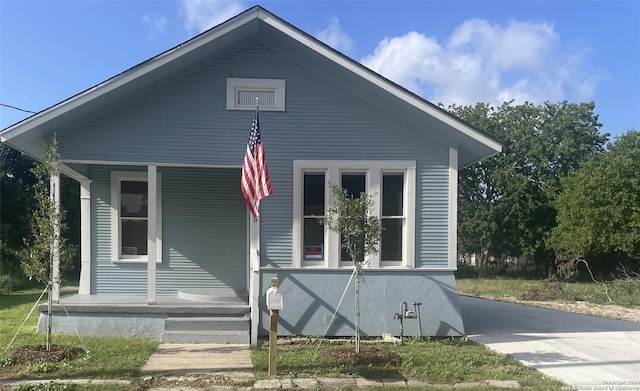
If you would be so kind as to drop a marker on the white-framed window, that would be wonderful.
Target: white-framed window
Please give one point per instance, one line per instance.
(242, 94)
(130, 216)
(392, 186)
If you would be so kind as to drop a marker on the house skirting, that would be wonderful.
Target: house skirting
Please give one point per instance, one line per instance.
(311, 298)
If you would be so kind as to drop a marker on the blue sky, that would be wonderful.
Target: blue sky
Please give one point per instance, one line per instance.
(458, 52)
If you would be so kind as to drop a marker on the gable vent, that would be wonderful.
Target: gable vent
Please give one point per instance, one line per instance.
(242, 94)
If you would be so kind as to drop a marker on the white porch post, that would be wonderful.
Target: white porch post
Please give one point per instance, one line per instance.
(54, 194)
(85, 237)
(254, 283)
(152, 180)
(453, 208)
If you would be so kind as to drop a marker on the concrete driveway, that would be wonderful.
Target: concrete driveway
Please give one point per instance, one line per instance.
(588, 352)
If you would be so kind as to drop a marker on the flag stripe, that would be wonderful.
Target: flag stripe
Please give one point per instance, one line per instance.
(255, 182)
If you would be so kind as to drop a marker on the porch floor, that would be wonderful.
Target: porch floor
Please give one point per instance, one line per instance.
(169, 304)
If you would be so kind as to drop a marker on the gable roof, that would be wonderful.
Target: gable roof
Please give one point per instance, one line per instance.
(472, 144)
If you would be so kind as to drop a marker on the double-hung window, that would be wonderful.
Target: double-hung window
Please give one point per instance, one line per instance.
(130, 216)
(391, 184)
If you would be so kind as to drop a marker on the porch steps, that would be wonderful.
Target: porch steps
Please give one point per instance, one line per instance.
(209, 329)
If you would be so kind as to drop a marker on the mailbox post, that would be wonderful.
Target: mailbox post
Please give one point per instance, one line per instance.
(274, 302)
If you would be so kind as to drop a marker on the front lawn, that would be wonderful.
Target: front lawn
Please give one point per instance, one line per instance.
(440, 362)
(101, 357)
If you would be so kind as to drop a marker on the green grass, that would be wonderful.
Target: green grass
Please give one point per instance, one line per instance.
(442, 361)
(623, 293)
(107, 357)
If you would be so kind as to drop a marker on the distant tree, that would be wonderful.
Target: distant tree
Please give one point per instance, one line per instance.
(506, 202)
(16, 200)
(361, 231)
(599, 209)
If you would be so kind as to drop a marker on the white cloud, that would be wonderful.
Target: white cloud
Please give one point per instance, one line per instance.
(156, 25)
(483, 62)
(334, 36)
(200, 15)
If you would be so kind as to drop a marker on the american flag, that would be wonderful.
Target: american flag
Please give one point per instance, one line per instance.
(255, 181)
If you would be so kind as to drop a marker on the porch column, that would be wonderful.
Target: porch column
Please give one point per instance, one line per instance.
(453, 208)
(54, 194)
(152, 180)
(254, 282)
(85, 237)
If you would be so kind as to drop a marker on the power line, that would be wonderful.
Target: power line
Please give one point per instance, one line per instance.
(17, 108)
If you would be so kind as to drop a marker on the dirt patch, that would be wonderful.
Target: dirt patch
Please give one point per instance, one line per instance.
(31, 354)
(368, 355)
(581, 307)
(605, 311)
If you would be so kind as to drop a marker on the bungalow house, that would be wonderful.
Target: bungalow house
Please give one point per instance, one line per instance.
(168, 246)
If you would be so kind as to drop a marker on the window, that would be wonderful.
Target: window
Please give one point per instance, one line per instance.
(130, 216)
(393, 217)
(392, 186)
(313, 209)
(355, 184)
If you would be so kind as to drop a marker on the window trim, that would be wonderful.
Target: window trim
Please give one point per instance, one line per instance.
(116, 249)
(373, 170)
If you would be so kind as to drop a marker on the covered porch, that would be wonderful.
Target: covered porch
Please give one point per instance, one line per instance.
(193, 280)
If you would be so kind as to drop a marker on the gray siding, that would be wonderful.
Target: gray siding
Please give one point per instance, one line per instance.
(184, 121)
(204, 234)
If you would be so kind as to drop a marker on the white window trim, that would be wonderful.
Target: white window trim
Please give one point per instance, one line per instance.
(116, 178)
(277, 86)
(374, 170)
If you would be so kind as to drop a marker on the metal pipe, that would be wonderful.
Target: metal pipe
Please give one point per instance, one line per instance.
(416, 307)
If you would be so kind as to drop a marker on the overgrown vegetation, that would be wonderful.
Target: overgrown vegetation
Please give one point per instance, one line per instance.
(622, 292)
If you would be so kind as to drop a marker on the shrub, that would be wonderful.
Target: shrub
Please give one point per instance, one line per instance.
(549, 290)
(6, 283)
(466, 270)
(625, 292)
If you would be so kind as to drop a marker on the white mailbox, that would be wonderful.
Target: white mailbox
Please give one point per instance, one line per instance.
(274, 299)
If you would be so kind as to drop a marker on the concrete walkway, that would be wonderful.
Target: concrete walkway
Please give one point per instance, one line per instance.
(218, 359)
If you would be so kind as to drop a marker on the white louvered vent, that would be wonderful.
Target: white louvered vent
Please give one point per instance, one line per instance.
(242, 94)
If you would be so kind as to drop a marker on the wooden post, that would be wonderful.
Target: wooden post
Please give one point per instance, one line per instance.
(273, 333)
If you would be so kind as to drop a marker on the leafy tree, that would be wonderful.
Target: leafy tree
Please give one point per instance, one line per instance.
(506, 202)
(16, 200)
(47, 229)
(351, 217)
(599, 210)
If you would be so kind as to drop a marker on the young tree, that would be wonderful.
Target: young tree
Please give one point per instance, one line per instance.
(47, 243)
(361, 231)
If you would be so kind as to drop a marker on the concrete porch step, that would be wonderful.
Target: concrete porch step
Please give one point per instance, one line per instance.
(227, 329)
(213, 324)
(214, 336)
